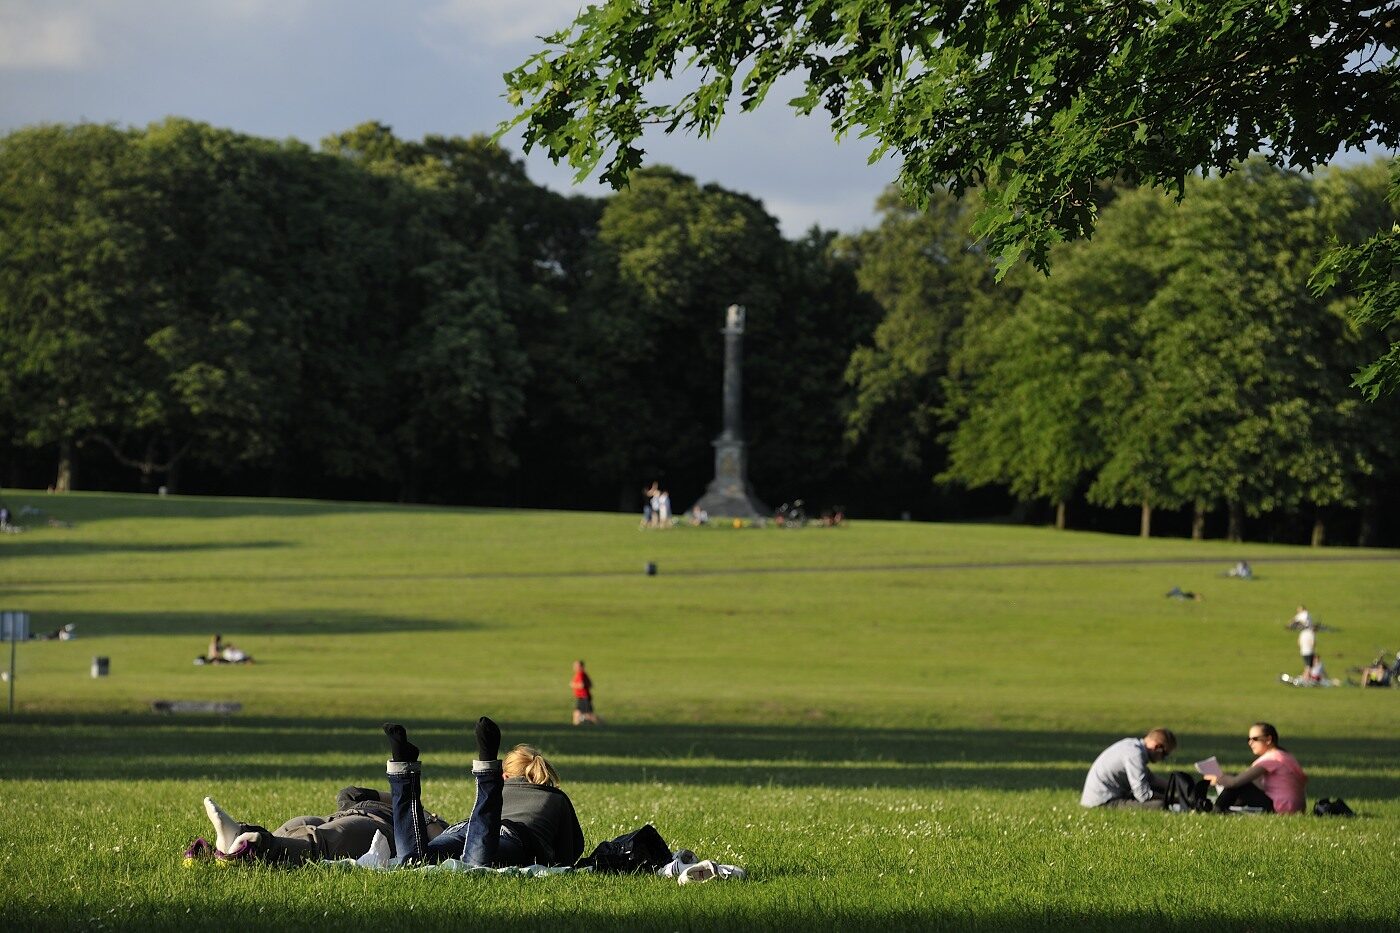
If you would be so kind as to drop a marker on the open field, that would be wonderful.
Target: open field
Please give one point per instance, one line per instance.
(887, 724)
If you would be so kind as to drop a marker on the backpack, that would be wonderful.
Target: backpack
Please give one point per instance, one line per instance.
(640, 850)
(1185, 795)
(1328, 807)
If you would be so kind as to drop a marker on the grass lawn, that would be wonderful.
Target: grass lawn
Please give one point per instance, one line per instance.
(886, 724)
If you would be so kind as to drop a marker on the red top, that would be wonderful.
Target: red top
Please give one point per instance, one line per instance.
(583, 685)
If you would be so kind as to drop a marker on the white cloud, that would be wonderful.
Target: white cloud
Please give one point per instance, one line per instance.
(32, 36)
(493, 23)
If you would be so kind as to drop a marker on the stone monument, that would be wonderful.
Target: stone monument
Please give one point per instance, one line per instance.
(729, 494)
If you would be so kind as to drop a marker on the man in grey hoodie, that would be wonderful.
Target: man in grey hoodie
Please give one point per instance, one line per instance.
(1119, 777)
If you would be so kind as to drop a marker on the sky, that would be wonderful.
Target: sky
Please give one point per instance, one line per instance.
(309, 68)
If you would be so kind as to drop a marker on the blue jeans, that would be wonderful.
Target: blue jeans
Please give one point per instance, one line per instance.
(476, 841)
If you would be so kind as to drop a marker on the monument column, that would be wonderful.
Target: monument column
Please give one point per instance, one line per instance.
(729, 494)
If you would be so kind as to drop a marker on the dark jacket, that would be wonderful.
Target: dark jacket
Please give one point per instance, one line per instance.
(544, 818)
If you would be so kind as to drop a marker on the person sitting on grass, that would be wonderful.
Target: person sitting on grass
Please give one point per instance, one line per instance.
(1119, 777)
(1380, 673)
(360, 812)
(1275, 783)
(520, 816)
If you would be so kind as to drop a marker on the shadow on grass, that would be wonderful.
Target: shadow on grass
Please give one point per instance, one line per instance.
(89, 508)
(235, 625)
(51, 547)
(237, 748)
(443, 912)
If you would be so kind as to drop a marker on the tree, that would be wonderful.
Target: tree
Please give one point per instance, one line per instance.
(925, 271)
(1036, 103)
(67, 271)
(1180, 359)
(1039, 397)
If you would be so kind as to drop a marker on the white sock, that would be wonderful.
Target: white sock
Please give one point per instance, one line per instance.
(378, 854)
(240, 839)
(225, 826)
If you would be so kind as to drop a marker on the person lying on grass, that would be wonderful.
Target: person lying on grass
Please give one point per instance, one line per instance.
(520, 816)
(1275, 783)
(360, 812)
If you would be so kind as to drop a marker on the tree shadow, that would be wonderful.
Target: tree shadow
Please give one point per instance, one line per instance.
(89, 508)
(263, 624)
(235, 747)
(30, 546)
(677, 910)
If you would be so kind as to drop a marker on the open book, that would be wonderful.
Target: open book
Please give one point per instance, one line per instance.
(1211, 766)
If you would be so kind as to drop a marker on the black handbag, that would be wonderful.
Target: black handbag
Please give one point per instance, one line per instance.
(640, 850)
(1328, 807)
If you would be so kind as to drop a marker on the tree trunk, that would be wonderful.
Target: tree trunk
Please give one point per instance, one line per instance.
(1235, 533)
(147, 468)
(1060, 515)
(1318, 529)
(64, 481)
(1368, 523)
(1146, 528)
(172, 477)
(1198, 522)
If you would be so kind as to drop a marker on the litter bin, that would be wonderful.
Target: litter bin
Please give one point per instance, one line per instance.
(100, 666)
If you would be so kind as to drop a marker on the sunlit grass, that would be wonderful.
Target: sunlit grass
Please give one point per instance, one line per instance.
(886, 724)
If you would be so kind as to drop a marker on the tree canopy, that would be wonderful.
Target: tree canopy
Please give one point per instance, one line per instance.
(1036, 102)
(389, 318)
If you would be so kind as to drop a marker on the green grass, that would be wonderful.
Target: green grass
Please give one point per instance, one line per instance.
(887, 724)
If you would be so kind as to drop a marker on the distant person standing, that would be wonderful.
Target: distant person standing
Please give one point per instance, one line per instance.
(1307, 646)
(582, 685)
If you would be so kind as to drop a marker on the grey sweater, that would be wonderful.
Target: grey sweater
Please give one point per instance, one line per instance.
(1119, 773)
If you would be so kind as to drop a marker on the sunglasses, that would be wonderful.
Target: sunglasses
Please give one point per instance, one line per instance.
(1255, 738)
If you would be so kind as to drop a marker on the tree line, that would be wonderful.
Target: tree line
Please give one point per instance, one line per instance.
(187, 306)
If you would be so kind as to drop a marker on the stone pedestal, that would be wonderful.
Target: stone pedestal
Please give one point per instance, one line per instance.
(729, 494)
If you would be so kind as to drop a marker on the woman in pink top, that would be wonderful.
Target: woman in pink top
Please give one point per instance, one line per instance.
(1274, 783)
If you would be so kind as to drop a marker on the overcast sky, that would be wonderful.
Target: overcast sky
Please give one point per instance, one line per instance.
(308, 68)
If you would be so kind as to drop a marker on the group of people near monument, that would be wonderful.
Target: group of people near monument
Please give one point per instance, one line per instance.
(1121, 776)
(656, 507)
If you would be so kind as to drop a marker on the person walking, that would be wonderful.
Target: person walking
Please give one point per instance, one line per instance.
(582, 686)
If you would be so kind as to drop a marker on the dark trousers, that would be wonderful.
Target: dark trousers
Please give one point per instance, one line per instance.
(476, 841)
(1246, 795)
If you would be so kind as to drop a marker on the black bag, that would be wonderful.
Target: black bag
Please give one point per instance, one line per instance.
(640, 850)
(1328, 807)
(1186, 795)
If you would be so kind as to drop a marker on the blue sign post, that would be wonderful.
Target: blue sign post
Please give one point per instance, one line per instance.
(14, 628)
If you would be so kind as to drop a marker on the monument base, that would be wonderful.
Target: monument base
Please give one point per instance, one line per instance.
(729, 494)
